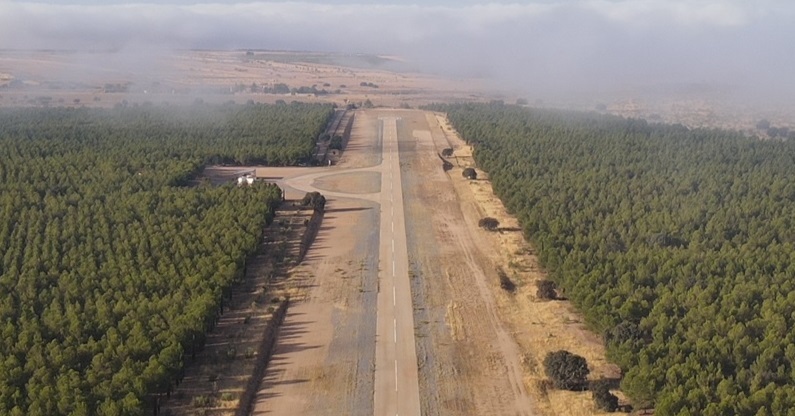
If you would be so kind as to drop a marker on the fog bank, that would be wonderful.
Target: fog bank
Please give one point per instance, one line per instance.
(541, 47)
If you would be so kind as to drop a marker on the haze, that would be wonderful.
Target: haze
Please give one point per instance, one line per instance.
(538, 47)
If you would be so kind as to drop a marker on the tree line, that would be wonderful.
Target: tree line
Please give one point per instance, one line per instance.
(677, 244)
(111, 272)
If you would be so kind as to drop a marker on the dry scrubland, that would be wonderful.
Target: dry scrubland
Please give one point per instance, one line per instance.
(97, 79)
(40, 78)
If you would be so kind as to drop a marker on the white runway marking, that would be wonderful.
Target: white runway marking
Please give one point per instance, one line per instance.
(396, 377)
(405, 399)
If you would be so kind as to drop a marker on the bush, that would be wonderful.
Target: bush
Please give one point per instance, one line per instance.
(335, 143)
(250, 353)
(203, 401)
(489, 223)
(470, 173)
(231, 353)
(546, 290)
(505, 282)
(602, 397)
(566, 370)
(315, 200)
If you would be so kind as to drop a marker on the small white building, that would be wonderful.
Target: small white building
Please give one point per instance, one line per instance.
(247, 179)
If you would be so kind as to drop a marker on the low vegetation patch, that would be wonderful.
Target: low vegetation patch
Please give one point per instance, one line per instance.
(603, 398)
(566, 370)
(546, 290)
(489, 223)
(505, 281)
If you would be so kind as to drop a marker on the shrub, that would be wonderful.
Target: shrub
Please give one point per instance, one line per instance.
(602, 397)
(203, 401)
(335, 143)
(250, 353)
(489, 223)
(546, 290)
(470, 173)
(566, 370)
(315, 200)
(505, 282)
(231, 353)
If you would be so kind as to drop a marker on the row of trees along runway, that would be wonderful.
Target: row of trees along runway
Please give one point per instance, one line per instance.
(677, 244)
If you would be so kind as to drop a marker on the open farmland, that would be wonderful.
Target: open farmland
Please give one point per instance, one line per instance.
(52, 78)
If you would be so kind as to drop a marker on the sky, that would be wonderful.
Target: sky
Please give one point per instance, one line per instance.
(542, 45)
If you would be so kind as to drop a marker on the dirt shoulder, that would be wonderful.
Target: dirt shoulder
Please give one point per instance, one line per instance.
(468, 362)
(537, 326)
(322, 361)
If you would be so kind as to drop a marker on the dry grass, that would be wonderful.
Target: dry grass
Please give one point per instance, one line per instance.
(210, 75)
(538, 326)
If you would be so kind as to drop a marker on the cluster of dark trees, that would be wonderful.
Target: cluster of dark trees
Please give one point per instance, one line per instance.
(111, 275)
(678, 244)
(775, 132)
(282, 88)
(368, 84)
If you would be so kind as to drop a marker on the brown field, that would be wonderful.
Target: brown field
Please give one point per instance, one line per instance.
(76, 79)
(64, 78)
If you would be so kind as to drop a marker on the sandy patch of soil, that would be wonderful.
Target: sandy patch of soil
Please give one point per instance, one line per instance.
(321, 363)
(355, 183)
